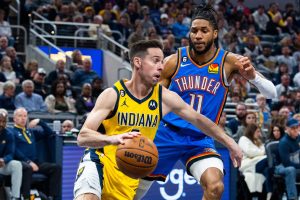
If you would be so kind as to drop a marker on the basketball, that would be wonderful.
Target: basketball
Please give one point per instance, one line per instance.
(138, 157)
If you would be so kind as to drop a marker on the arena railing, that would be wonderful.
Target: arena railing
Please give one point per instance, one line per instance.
(102, 41)
(36, 19)
(34, 35)
(16, 10)
(18, 28)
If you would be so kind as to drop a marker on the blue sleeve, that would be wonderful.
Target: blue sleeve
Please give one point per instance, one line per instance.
(284, 155)
(18, 102)
(42, 133)
(9, 148)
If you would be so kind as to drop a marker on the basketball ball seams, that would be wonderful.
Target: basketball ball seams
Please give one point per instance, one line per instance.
(127, 148)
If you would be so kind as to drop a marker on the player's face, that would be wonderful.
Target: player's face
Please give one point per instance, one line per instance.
(202, 36)
(152, 65)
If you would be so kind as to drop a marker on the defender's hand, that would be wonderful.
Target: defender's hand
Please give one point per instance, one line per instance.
(246, 69)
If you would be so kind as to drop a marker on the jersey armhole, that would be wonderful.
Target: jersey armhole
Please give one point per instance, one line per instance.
(177, 63)
(116, 105)
(223, 74)
(160, 101)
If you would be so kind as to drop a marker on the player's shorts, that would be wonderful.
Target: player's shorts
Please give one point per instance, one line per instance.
(103, 178)
(88, 179)
(174, 144)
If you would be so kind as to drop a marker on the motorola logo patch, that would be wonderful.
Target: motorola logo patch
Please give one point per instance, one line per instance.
(152, 105)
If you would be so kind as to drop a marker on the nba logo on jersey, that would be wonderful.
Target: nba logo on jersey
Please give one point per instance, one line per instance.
(213, 68)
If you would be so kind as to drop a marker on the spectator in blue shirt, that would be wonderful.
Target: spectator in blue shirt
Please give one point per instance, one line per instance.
(31, 101)
(7, 100)
(289, 152)
(26, 152)
(179, 29)
(8, 166)
(85, 75)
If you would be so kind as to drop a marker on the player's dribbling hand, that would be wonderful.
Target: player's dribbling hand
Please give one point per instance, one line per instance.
(236, 155)
(246, 69)
(120, 139)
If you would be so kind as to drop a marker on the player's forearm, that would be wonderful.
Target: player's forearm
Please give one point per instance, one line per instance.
(92, 139)
(264, 86)
(212, 130)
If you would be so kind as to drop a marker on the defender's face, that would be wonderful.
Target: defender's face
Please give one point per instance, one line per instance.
(202, 36)
(152, 65)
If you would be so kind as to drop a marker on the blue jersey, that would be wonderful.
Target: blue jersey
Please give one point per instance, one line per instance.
(201, 86)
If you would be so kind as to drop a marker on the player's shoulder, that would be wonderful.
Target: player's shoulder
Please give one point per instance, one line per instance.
(171, 60)
(231, 57)
(109, 93)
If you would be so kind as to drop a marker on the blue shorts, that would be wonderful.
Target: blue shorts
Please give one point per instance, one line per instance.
(174, 144)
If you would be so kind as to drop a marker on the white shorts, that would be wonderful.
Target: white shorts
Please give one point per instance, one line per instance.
(199, 167)
(87, 179)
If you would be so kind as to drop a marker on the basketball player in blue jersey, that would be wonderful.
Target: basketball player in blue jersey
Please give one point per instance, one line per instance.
(200, 74)
(98, 176)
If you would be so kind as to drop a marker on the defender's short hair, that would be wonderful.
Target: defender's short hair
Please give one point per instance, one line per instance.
(206, 12)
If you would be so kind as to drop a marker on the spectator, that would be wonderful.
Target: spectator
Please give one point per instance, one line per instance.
(85, 75)
(3, 45)
(97, 87)
(296, 79)
(30, 101)
(265, 60)
(70, 92)
(5, 29)
(264, 115)
(98, 26)
(138, 33)
(250, 118)
(163, 27)
(7, 98)
(146, 21)
(284, 86)
(254, 164)
(31, 68)
(297, 101)
(7, 69)
(222, 124)
(60, 69)
(284, 111)
(85, 102)
(57, 101)
(16, 62)
(287, 59)
(26, 139)
(289, 155)
(8, 166)
(39, 83)
(89, 14)
(282, 69)
(240, 111)
(276, 133)
(67, 126)
(76, 60)
(132, 12)
(260, 18)
(124, 27)
(179, 29)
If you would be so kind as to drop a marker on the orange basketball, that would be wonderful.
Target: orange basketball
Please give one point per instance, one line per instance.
(138, 157)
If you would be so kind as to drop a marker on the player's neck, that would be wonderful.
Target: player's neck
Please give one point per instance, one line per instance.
(201, 59)
(138, 88)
